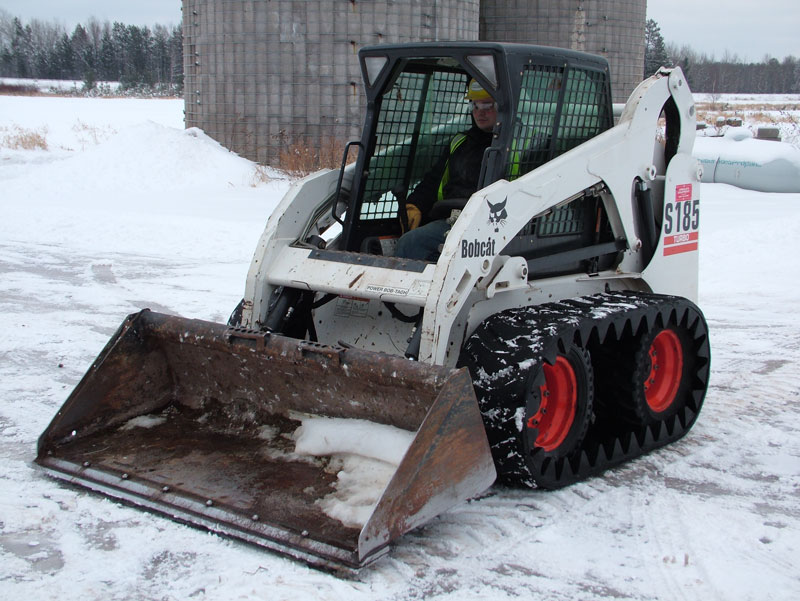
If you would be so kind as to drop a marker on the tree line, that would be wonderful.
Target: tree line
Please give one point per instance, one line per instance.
(132, 55)
(728, 75)
(144, 57)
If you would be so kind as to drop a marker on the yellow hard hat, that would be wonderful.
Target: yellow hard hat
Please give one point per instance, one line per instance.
(476, 92)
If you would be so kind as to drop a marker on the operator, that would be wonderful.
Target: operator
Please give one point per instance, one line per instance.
(455, 175)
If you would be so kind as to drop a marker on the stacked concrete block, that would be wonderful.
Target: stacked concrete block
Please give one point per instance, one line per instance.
(263, 74)
(611, 29)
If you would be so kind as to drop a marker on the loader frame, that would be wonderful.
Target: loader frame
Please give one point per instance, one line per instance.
(576, 254)
(489, 264)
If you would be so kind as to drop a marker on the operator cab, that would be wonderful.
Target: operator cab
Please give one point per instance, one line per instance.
(549, 101)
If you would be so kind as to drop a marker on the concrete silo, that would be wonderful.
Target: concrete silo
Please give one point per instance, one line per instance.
(261, 74)
(613, 29)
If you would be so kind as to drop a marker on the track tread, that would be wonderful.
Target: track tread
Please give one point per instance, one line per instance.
(506, 346)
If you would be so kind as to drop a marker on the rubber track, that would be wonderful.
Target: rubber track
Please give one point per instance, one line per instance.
(509, 345)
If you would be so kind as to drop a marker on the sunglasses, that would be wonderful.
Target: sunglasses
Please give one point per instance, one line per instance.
(483, 105)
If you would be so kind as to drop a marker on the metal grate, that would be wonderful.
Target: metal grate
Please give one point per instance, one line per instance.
(419, 115)
(558, 110)
(535, 121)
(584, 113)
(564, 221)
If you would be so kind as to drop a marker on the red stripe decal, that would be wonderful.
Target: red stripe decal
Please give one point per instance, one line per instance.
(680, 238)
(680, 248)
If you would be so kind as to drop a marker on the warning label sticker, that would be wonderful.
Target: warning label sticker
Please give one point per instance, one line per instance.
(683, 192)
(351, 307)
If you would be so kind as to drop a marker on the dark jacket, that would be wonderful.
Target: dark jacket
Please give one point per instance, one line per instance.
(463, 169)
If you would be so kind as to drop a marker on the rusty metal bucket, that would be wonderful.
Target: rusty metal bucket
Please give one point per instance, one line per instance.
(206, 392)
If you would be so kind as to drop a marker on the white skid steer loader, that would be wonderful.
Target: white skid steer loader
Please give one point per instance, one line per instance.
(555, 336)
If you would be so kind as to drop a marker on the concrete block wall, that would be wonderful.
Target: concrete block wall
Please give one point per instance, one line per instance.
(261, 74)
(613, 29)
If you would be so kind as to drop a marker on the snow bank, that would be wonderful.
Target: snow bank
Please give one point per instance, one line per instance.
(365, 456)
(74, 124)
(145, 179)
(138, 160)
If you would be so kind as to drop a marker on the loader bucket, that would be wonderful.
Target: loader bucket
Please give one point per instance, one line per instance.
(171, 416)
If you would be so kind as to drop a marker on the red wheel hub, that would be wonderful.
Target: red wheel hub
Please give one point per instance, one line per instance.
(559, 399)
(666, 369)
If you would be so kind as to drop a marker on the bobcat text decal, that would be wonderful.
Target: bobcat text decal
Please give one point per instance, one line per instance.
(477, 248)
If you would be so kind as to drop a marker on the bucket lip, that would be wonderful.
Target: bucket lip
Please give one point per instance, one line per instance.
(219, 520)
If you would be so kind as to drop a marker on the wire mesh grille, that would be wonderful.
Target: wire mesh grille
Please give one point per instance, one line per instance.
(585, 110)
(559, 109)
(535, 121)
(419, 116)
(563, 221)
(544, 126)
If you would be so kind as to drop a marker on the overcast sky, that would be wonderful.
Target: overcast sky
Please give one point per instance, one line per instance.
(743, 27)
(72, 12)
(747, 28)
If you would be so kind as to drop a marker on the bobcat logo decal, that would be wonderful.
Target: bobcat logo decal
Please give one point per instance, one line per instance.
(497, 214)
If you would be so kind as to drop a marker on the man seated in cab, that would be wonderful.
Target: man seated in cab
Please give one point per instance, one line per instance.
(455, 175)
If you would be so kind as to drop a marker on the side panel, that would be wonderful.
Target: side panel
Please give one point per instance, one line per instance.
(350, 319)
(674, 266)
(287, 222)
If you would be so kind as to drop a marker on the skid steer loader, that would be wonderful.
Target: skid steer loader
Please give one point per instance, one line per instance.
(555, 336)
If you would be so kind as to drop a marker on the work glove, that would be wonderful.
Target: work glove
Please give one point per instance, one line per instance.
(414, 216)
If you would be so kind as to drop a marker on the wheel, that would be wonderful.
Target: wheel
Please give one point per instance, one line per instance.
(559, 405)
(666, 367)
(572, 388)
(649, 375)
(662, 368)
(535, 410)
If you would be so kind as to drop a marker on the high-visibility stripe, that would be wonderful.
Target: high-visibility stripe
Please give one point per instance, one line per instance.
(454, 144)
(518, 146)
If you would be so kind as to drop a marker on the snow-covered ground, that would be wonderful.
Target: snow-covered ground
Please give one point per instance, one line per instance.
(780, 111)
(126, 209)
